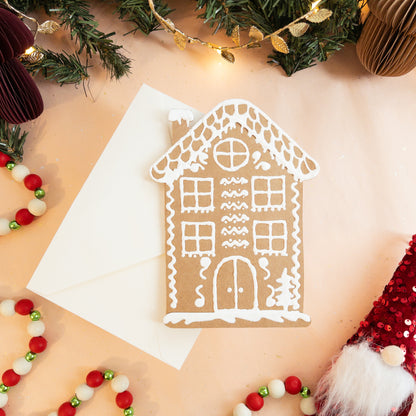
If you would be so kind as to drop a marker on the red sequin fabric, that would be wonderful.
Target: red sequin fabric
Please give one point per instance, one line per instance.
(392, 321)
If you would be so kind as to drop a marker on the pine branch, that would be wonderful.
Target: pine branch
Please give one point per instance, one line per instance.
(138, 12)
(75, 15)
(62, 67)
(12, 140)
(29, 5)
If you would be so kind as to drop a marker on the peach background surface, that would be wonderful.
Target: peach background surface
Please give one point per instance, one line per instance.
(359, 214)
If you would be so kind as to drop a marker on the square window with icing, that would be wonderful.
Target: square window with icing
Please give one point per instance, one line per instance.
(197, 194)
(198, 238)
(268, 193)
(270, 237)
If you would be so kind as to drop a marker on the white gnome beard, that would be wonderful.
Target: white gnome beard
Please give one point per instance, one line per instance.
(359, 383)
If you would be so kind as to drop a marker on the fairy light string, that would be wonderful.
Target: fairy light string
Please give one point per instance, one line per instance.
(296, 28)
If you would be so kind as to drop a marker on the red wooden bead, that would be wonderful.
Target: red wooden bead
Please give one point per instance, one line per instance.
(38, 344)
(66, 409)
(23, 306)
(293, 385)
(94, 378)
(124, 399)
(4, 159)
(32, 181)
(2, 412)
(254, 401)
(10, 378)
(24, 217)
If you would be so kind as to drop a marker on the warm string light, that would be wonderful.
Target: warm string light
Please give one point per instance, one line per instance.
(297, 28)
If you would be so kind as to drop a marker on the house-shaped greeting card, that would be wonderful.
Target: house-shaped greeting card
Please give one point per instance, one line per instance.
(234, 254)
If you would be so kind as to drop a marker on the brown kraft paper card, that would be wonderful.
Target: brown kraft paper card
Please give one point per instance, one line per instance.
(234, 254)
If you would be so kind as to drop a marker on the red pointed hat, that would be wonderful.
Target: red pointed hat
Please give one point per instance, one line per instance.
(392, 321)
(375, 373)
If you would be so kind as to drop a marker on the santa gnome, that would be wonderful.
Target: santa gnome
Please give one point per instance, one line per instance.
(375, 373)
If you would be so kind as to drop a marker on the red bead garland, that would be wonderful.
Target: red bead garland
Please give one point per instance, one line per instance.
(119, 384)
(24, 306)
(94, 379)
(124, 399)
(37, 344)
(293, 385)
(32, 182)
(66, 409)
(254, 401)
(277, 389)
(10, 378)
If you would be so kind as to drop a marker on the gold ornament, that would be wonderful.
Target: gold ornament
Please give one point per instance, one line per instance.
(279, 44)
(319, 16)
(48, 27)
(298, 29)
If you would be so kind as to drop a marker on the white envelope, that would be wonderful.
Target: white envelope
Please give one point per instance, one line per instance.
(113, 239)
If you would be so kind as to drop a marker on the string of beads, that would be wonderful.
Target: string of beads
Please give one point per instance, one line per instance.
(37, 344)
(85, 391)
(277, 389)
(35, 208)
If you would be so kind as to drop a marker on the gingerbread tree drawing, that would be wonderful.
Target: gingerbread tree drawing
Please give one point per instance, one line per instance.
(234, 254)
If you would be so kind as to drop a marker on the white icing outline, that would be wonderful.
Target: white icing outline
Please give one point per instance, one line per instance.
(283, 151)
(170, 247)
(296, 250)
(270, 237)
(235, 259)
(180, 114)
(269, 192)
(284, 294)
(231, 154)
(231, 315)
(197, 238)
(236, 181)
(195, 193)
(264, 266)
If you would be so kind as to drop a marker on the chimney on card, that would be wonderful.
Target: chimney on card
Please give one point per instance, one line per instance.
(180, 120)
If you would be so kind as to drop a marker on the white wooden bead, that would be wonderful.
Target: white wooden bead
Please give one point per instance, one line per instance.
(36, 328)
(84, 392)
(241, 410)
(3, 399)
(307, 406)
(36, 207)
(4, 226)
(7, 307)
(19, 173)
(120, 383)
(21, 366)
(276, 389)
(392, 355)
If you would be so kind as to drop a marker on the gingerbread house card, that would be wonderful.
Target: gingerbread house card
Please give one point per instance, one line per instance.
(233, 220)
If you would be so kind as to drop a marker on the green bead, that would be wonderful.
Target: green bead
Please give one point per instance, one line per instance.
(263, 391)
(305, 392)
(75, 402)
(10, 165)
(30, 356)
(4, 388)
(35, 316)
(108, 374)
(14, 225)
(129, 411)
(39, 193)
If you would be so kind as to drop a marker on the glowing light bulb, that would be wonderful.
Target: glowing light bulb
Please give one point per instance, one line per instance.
(30, 50)
(315, 4)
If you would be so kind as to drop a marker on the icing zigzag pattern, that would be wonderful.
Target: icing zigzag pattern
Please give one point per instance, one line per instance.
(231, 205)
(235, 218)
(234, 194)
(235, 243)
(296, 250)
(235, 230)
(236, 181)
(171, 249)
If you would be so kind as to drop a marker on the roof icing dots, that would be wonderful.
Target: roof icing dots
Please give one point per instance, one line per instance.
(217, 122)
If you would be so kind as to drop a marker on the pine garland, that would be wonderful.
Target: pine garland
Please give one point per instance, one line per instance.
(12, 140)
(317, 44)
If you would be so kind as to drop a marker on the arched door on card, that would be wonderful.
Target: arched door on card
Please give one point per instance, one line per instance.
(235, 284)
